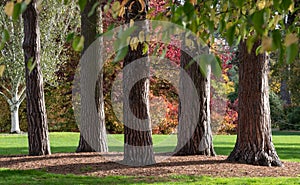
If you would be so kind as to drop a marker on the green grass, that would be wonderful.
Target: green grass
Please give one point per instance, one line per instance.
(287, 143)
(40, 177)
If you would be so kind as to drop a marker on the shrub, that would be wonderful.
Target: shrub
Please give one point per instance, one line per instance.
(294, 118)
(276, 107)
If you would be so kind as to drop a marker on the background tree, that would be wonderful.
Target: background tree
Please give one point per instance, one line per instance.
(138, 147)
(13, 79)
(57, 17)
(38, 138)
(90, 24)
(194, 128)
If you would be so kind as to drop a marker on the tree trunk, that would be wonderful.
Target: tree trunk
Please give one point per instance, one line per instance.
(194, 125)
(38, 138)
(138, 146)
(284, 92)
(15, 125)
(254, 138)
(98, 140)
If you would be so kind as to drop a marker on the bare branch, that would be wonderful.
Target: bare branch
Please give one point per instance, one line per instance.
(6, 98)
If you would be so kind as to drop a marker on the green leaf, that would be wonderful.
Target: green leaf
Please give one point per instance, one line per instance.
(78, 43)
(122, 37)
(93, 9)
(31, 65)
(258, 21)
(230, 34)
(145, 48)
(188, 9)
(82, 4)
(258, 50)
(204, 61)
(250, 42)
(216, 66)
(221, 26)
(276, 37)
(291, 52)
(121, 54)
(70, 37)
(285, 4)
(17, 11)
(23, 6)
(5, 36)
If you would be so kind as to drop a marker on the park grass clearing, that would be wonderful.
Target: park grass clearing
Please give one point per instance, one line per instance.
(40, 177)
(287, 143)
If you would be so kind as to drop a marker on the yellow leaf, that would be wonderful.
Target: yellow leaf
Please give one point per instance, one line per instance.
(141, 36)
(261, 4)
(116, 6)
(134, 43)
(27, 1)
(291, 8)
(131, 23)
(2, 68)
(106, 8)
(19, 1)
(266, 43)
(290, 39)
(193, 2)
(9, 8)
(122, 12)
(228, 25)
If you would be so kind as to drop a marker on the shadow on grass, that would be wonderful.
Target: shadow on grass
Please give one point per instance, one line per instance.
(286, 133)
(41, 177)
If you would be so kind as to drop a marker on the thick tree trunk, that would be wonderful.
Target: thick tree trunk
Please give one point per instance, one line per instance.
(15, 125)
(194, 127)
(254, 138)
(138, 146)
(97, 141)
(38, 138)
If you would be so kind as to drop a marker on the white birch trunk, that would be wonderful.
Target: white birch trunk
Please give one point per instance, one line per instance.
(15, 124)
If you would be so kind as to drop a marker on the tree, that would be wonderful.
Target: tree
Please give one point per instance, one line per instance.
(89, 26)
(38, 138)
(194, 125)
(260, 27)
(13, 79)
(254, 139)
(138, 147)
(13, 82)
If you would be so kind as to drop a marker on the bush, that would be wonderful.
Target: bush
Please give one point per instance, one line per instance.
(294, 119)
(276, 107)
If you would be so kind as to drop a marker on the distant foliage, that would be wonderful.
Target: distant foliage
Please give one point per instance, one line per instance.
(294, 118)
(277, 113)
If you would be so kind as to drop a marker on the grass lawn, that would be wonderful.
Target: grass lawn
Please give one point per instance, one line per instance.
(40, 177)
(287, 143)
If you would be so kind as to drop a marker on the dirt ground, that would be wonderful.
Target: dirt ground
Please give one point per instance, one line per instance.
(95, 165)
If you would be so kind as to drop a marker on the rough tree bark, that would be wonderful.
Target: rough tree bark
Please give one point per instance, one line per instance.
(138, 146)
(89, 29)
(38, 138)
(194, 125)
(254, 138)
